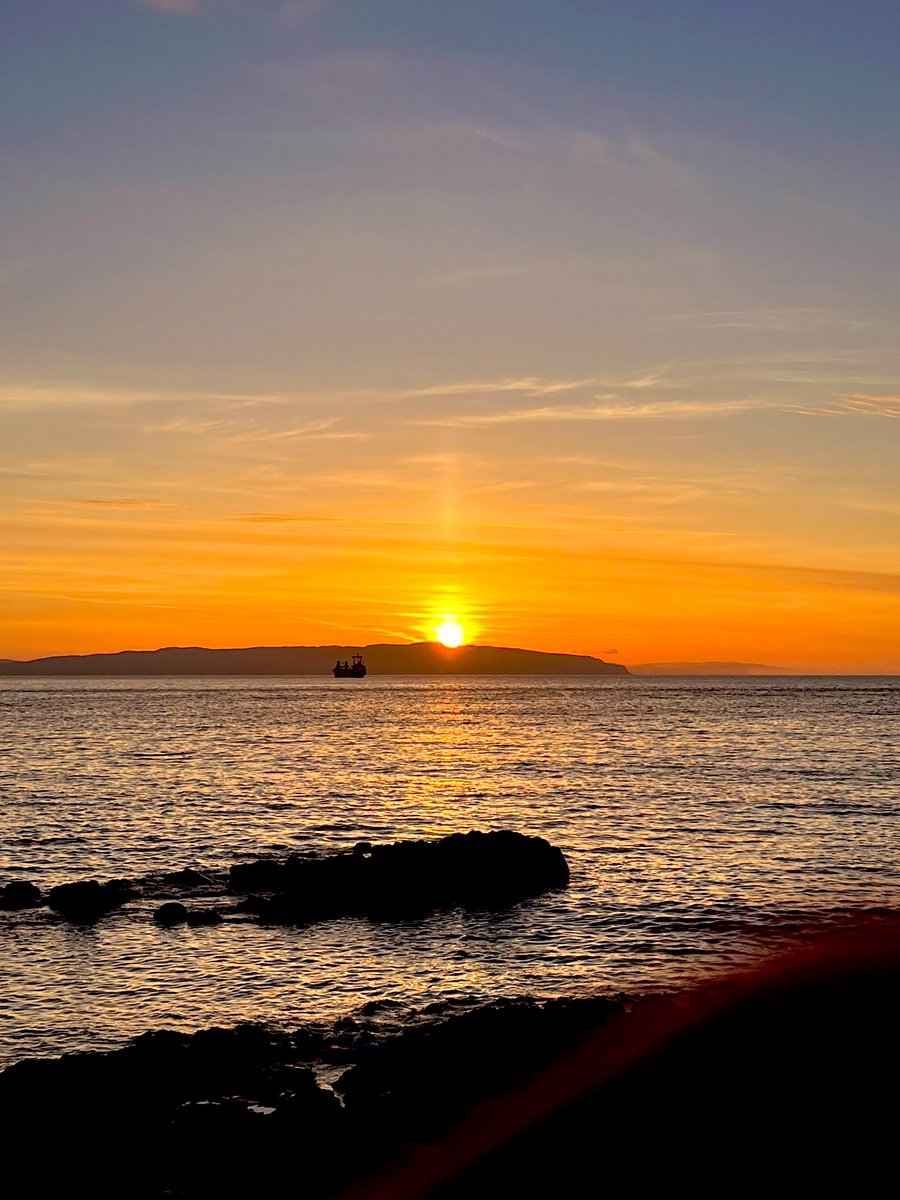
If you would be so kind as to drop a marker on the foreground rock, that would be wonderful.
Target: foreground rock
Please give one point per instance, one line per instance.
(780, 1079)
(402, 879)
(239, 1112)
(212, 1114)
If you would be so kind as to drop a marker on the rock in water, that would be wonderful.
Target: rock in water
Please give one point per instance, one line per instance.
(20, 894)
(171, 914)
(404, 878)
(88, 900)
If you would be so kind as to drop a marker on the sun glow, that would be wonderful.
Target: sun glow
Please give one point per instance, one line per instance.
(450, 633)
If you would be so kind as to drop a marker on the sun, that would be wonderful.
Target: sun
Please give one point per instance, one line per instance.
(450, 633)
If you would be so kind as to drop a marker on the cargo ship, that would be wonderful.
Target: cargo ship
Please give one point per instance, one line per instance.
(355, 669)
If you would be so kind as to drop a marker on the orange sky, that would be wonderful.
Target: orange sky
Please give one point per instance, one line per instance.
(232, 538)
(318, 333)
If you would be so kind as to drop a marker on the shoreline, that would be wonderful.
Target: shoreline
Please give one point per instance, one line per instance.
(396, 1112)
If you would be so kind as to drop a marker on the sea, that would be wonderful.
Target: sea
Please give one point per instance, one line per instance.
(706, 822)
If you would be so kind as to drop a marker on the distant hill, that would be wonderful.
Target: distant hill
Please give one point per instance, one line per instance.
(706, 668)
(418, 658)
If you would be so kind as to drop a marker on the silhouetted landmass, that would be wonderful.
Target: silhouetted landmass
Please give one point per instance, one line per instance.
(706, 668)
(783, 1075)
(418, 658)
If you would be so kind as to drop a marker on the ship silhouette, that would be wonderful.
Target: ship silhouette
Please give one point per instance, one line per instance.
(355, 669)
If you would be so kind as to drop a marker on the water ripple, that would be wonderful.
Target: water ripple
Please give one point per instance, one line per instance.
(701, 819)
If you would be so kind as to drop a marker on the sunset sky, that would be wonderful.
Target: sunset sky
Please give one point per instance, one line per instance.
(575, 322)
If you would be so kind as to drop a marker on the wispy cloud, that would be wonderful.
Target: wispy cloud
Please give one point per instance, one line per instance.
(533, 385)
(875, 406)
(783, 319)
(529, 385)
(609, 410)
(116, 502)
(280, 518)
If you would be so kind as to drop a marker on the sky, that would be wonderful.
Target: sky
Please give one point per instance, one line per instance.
(574, 322)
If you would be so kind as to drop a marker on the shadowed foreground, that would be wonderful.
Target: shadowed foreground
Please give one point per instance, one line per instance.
(782, 1080)
(779, 1079)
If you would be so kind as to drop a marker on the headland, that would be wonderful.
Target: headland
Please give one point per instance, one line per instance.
(417, 658)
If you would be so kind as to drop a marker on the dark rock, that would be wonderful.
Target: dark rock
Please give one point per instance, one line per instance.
(88, 900)
(253, 904)
(204, 916)
(403, 879)
(783, 1075)
(171, 914)
(780, 1074)
(263, 875)
(222, 1113)
(430, 1075)
(20, 894)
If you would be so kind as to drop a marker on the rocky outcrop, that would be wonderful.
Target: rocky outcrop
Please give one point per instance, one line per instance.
(397, 880)
(403, 878)
(427, 1078)
(240, 1112)
(224, 1112)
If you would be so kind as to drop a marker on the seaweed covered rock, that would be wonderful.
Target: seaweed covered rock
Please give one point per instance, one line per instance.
(20, 894)
(403, 878)
(88, 900)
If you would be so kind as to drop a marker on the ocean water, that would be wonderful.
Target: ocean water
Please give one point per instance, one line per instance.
(703, 820)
